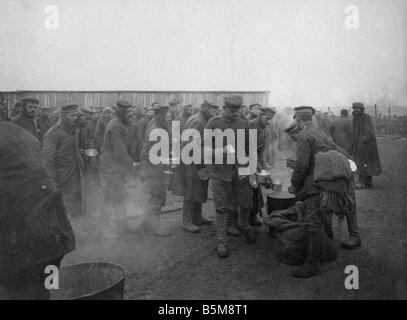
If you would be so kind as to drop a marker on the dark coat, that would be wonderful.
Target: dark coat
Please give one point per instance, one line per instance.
(187, 183)
(44, 124)
(364, 146)
(61, 152)
(98, 135)
(261, 142)
(310, 141)
(27, 123)
(34, 228)
(341, 133)
(226, 171)
(141, 130)
(152, 175)
(115, 159)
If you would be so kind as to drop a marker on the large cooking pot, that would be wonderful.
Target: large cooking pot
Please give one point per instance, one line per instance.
(90, 281)
(279, 200)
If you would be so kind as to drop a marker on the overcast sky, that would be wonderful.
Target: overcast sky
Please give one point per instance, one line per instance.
(299, 50)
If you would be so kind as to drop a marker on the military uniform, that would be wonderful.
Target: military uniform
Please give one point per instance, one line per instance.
(61, 153)
(193, 189)
(231, 192)
(153, 178)
(98, 135)
(35, 230)
(364, 147)
(320, 199)
(29, 124)
(116, 162)
(141, 129)
(258, 201)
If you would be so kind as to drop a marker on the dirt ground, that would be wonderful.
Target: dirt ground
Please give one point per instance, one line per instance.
(185, 266)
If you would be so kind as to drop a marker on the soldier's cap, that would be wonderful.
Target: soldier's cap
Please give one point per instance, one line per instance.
(267, 110)
(70, 108)
(87, 111)
(233, 101)
(123, 104)
(160, 109)
(207, 103)
(46, 108)
(304, 109)
(30, 99)
(359, 105)
(188, 105)
(254, 105)
(293, 128)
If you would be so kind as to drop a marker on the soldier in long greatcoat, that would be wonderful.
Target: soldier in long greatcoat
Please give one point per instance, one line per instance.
(116, 165)
(364, 147)
(61, 152)
(194, 189)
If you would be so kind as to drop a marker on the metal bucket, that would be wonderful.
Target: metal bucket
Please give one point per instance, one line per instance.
(90, 281)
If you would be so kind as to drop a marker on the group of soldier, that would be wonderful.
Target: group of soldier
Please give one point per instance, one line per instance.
(121, 137)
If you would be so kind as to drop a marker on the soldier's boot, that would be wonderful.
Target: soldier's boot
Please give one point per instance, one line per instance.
(311, 266)
(244, 227)
(197, 218)
(354, 240)
(221, 227)
(187, 213)
(232, 229)
(255, 208)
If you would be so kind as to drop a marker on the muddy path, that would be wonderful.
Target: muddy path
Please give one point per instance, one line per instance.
(185, 266)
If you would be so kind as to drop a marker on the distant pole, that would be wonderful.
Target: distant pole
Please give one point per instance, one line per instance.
(388, 121)
(375, 111)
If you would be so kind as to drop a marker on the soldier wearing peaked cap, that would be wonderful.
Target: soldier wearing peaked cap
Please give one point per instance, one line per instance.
(116, 164)
(231, 191)
(152, 175)
(320, 198)
(61, 152)
(364, 147)
(259, 124)
(304, 110)
(191, 186)
(26, 119)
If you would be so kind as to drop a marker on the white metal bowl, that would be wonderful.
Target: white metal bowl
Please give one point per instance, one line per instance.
(91, 152)
(353, 166)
